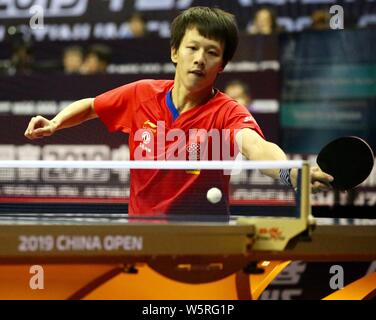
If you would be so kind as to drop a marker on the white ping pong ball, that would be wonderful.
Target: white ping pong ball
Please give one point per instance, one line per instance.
(214, 195)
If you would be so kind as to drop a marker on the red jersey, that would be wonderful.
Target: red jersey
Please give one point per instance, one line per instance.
(144, 109)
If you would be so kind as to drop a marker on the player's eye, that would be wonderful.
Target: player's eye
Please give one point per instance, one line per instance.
(214, 53)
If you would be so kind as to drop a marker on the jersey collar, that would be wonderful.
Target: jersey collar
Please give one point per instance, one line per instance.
(171, 106)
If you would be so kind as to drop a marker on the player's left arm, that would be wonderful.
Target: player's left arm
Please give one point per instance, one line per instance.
(254, 147)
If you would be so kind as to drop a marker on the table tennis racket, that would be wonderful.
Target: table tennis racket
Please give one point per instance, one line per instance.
(348, 159)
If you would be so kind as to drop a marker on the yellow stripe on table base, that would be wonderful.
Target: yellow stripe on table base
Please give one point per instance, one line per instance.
(364, 288)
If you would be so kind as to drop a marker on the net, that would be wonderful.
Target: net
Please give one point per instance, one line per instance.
(173, 187)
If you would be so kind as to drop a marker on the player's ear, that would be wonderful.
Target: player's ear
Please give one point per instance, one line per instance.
(174, 55)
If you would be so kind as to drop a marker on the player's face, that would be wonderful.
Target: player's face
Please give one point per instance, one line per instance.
(198, 60)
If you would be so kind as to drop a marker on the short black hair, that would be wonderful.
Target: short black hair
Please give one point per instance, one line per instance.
(212, 23)
(102, 51)
(137, 15)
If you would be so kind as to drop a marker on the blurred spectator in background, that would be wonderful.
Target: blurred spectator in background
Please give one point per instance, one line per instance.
(264, 22)
(21, 60)
(135, 26)
(73, 58)
(320, 20)
(97, 59)
(240, 92)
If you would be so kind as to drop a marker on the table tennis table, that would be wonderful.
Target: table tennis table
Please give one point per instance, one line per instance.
(115, 256)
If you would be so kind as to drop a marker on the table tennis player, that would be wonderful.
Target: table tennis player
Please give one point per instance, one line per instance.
(203, 41)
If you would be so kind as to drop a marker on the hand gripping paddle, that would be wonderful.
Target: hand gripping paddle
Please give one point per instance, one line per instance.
(348, 159)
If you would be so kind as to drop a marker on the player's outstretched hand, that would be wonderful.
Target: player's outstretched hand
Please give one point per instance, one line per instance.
(320, 181)
(40, 127)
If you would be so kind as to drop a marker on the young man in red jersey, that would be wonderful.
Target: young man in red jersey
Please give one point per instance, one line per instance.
(160, 116)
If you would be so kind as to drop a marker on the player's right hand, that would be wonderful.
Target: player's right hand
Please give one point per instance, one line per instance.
(320, 181)
(40, 127)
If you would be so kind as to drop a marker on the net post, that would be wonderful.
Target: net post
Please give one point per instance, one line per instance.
(305, 194)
